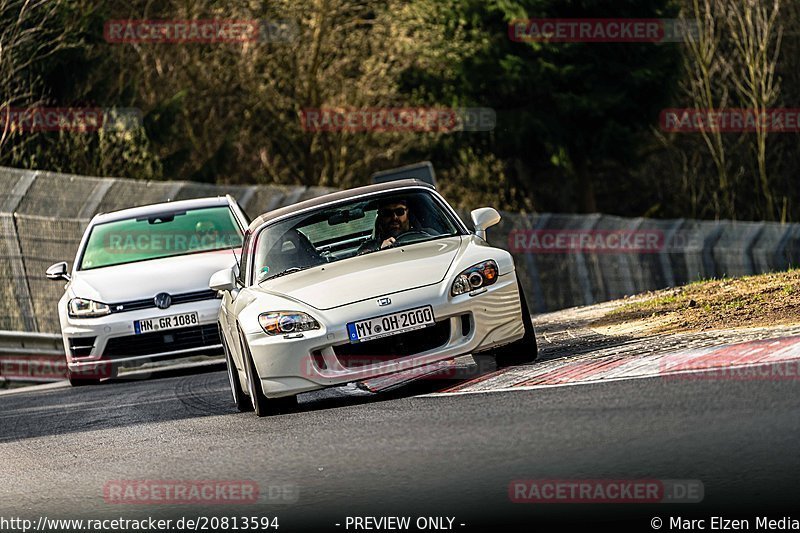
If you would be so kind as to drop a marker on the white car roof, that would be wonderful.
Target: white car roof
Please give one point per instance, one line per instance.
(145, 210)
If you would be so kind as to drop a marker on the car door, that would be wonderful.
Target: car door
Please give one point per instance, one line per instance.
(224, 321)
(227, 320)
(229, 301)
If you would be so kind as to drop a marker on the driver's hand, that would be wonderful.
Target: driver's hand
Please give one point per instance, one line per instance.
(388, 242)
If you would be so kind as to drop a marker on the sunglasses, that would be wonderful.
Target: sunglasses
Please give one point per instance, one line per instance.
(386, 212)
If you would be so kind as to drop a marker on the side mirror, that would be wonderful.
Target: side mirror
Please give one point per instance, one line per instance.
(57, 271)
(222, 280)
(484, 218)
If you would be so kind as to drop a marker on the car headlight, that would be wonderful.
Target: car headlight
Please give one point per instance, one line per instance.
(283, 322)
(81, 308)
(475, 277)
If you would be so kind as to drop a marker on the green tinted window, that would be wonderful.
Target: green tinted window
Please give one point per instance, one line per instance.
(166, 234)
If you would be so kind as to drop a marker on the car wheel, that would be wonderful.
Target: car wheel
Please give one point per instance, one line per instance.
(262, 405)
(525, 349)
(239, 397)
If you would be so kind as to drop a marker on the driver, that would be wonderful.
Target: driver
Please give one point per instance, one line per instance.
(394, 219)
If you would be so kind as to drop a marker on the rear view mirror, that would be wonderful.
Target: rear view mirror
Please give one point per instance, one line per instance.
(57, 271)
(222, 280)
(484, 218)
(345, 215)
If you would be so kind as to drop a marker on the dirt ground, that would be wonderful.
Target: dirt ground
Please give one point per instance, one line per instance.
(751, 301)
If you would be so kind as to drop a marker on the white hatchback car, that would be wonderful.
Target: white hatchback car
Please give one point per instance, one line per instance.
(367, 282)
(139, 291)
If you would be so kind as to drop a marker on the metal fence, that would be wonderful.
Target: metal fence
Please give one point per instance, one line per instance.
(31, 357)
(563, 260)
(669, 253)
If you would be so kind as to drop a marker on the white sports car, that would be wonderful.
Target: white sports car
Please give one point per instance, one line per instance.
(363, 283)
(139, 285)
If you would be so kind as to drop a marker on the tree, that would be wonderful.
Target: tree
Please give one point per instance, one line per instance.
(568, 110)
(706, 86)
(755, 32)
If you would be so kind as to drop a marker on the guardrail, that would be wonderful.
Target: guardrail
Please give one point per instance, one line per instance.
(34, 357)
(562, 260)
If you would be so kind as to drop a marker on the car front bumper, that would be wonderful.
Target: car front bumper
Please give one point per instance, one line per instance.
(91, 342)
(468, 323)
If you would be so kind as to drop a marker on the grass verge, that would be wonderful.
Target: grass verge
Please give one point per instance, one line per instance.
(750, 301)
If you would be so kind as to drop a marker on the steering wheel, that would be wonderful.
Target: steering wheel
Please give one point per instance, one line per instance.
(403, 238)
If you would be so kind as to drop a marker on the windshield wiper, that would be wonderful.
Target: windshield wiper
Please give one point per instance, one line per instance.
(289, 270)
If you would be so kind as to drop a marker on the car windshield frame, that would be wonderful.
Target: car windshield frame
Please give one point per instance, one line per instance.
(237, 226)
(444, 209)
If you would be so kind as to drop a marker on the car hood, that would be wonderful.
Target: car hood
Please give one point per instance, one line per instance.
(145, 279)
(368, 276)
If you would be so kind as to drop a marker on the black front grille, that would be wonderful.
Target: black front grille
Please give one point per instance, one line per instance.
(81, 346)
(148, 303)
(388, 348)
(162, 341)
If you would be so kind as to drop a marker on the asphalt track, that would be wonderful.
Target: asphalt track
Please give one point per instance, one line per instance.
(410, 452)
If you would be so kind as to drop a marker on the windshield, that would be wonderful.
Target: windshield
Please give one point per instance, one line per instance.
(159, 235)
(359, 227)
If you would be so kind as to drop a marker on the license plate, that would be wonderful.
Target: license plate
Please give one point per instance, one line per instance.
(392, 324)
(165, 322)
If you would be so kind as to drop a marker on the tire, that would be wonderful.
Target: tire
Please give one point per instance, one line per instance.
(262, 405)
(76, 381)
(240, 399)
(525, 349)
